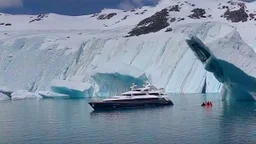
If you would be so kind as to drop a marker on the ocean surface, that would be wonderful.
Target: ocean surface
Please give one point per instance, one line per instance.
(73, 121)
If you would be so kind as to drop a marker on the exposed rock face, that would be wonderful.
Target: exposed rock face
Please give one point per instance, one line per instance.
(236, 15)
(125, 17)
(252, 16)
(8, 24)
(197, 13)
(101, 17)
(180, 19)
(39, 17)
(109, 16)
(168, 30)
(106, 16)
(173, 20)
(151, 24)
(175, 8)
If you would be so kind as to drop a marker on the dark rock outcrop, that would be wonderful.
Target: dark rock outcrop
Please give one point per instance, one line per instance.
(237, 15)
(109, 16)
(8, 24)
(225, 7)
(152, 24)
(173, 20)
(197, 13)
(39, 18)
(106, 16)
(168, 30)
(252, 16)
(180, 19)
(101, 17)
(175, 8)
(125, 17)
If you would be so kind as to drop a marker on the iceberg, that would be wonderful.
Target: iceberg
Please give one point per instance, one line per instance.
(113, 78)
(72, 89)
(237, 85)
(49, 94)
(4, 97)
(24, 94)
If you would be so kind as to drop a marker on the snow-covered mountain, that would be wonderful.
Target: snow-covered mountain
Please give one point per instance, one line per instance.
(104, 53)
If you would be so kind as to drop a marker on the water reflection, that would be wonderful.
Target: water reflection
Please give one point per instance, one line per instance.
(124, 111)
(237, 122)
(74, 121)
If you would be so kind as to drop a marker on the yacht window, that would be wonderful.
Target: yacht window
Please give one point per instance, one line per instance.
(126, 94)
(146, 99)
(139, 94)
(154, 94)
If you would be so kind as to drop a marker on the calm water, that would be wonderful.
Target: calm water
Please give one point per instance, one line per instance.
(73, 121)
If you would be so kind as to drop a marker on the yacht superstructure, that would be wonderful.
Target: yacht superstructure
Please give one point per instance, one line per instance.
(148, 95)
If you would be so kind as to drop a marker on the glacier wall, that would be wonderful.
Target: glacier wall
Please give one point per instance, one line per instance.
(112, 84)
(31, 60)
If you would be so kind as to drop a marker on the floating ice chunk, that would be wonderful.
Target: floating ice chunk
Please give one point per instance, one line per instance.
(3, 97)
(73, 89)
(24, 94)
(49, 94)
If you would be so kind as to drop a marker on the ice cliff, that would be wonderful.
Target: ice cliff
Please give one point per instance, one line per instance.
(102, 54)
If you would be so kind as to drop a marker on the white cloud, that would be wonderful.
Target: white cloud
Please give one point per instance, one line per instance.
(130, 4)
(10, 3)
(126, 5)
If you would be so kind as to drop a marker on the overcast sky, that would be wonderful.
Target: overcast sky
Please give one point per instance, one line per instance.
(67, 7)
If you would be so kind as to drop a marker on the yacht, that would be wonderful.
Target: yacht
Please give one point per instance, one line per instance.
(148, 95)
